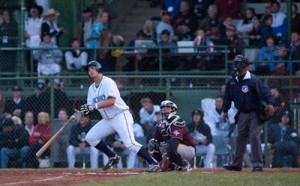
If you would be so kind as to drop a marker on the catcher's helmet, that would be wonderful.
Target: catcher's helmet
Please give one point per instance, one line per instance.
(96, 64)
(173, 106)
(239, 63)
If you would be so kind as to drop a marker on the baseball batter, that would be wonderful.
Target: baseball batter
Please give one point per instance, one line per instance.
(104, 96)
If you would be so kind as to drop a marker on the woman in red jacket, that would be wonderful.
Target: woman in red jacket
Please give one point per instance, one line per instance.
(40, 135)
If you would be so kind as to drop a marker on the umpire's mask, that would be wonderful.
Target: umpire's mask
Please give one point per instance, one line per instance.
(239, 63)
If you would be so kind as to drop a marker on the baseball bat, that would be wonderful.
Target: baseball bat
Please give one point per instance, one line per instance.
(50, 141)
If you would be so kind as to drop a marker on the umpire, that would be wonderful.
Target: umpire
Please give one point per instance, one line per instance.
(247, 92)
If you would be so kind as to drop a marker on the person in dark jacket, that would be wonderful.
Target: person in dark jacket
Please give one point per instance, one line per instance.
(247, 92)
(202, 136)
(78, 145)
(13, 141)
(284, 140)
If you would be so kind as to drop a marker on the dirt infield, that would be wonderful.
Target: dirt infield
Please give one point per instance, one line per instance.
(62, 177)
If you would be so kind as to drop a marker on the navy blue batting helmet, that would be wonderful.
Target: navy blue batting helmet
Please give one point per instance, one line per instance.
(96, 64)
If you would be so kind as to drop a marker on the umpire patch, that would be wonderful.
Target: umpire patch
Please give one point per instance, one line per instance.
(245, 88)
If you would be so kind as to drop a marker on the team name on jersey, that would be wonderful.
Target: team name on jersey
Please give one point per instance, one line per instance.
(99, 99)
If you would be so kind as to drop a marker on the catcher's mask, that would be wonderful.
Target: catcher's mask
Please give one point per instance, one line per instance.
(239, 63)
(167, 115)
(94, 63)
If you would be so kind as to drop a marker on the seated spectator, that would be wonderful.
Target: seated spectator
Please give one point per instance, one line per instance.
(171, 6)
(235, 43)
(41, 134)
(29, 122)
(294, 51)
(270, 57)
(265, 29)
(281, 103)
(279, 24)
(169, 62)
(49, 58)
(78, 145)
(295, 19)
(201, 133)
(149, 30)
(229, 8)
(33, 101)
(76, 59)
(13, 142)
(200, 7)
(212, 17)
(164, 24)
(50, 28)
(226, 24)
(2, 104)
(245, 26)
(17, 105)
(213, 32)
(185, 22)
(268, 10)
(203, 45)
(17, 120)
(284, 140)
(148, 117)
(254, 34)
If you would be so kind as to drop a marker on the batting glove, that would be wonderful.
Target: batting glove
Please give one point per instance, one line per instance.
(86, 109)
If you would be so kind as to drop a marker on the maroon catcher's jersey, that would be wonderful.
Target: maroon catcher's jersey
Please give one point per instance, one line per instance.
(164, 133)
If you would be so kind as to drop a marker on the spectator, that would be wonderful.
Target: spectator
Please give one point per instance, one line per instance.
(100, 6)
(265, 29)
(76, 59)
(97, 27)
(16, 106)
(164, 24)
(245, 26)
(284, 140)
(17, 120)
(8, 33)
(2, 104)
(149, 30)
(271, 56)
(204, 45)
(58, 95)
(200, 7)
(49, 26)
(49, 58)
(211, 18)
(169, 62)
(33, 24)
(294, 51)
(29, 122)
(229, 8)
(185, 22)
(234, 42)
(84, 27)
(279, 24)
(295, 19)
(226, 24)
(148, 117)
(202, 136)
(78, 145)
(214, 32)
(254, 34)
(13, 141)
(171, 6)
(41, 134)
(268, 11)
(33, 102)
(281, 103)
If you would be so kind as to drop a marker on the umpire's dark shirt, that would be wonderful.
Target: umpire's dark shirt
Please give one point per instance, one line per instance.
(246, 93)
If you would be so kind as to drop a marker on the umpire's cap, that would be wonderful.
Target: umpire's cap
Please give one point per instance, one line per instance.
(96, 64)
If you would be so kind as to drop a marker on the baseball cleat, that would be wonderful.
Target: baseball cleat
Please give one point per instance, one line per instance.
(111, 162)
(153, 168)
(186, 167)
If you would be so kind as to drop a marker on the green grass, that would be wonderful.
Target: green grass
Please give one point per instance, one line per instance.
(204, 179)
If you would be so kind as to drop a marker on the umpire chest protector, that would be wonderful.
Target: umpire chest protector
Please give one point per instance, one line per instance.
(165, 125)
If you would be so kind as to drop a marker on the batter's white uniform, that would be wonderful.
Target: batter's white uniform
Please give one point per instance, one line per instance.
(116, 118)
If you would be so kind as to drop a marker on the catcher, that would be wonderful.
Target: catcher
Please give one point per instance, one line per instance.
(172, 145)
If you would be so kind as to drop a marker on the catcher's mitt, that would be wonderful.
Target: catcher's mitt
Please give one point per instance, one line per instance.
(164, 163)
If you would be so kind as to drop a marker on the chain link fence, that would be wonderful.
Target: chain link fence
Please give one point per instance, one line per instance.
(188, 92)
